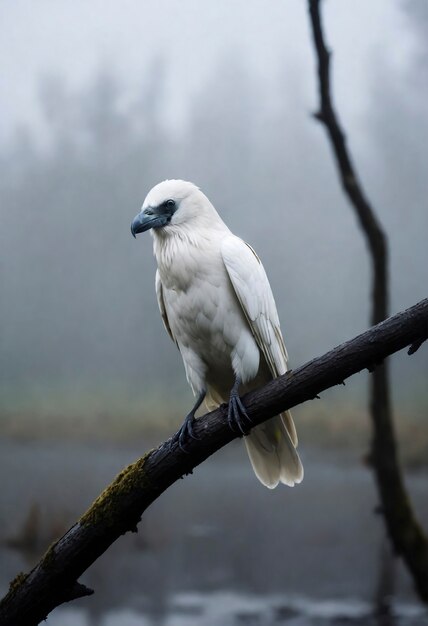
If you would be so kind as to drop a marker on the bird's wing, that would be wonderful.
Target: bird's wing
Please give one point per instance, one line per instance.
(161, 304)
(254, 293)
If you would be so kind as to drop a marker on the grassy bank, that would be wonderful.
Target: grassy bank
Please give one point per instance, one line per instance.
(326, 426)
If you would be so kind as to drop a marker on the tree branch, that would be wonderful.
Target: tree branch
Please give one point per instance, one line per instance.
(119, 508)
(349, 179)
(403, 528)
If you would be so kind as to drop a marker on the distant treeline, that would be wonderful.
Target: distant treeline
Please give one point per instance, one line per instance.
(78, 309)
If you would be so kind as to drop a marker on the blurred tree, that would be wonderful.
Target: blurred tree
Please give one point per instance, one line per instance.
(404, 530)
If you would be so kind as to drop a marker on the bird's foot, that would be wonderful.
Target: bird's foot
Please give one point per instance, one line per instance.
(237, 413)
(186, 431)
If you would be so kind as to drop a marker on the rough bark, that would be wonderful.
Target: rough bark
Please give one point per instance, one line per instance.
(402, 526)
(119, 508)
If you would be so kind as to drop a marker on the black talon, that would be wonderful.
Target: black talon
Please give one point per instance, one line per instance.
(186, 431)
(237, 412)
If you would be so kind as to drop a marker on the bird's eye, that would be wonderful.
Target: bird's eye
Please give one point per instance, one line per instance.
(170, 203)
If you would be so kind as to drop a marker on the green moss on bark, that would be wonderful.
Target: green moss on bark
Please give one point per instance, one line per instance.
(17, 581)
(107, 508)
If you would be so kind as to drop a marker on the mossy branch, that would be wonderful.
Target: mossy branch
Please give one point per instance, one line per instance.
(119, 508)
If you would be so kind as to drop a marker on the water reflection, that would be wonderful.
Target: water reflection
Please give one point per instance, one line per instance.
(217, 548)
(231, 609)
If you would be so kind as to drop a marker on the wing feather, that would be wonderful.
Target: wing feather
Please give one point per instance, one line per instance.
(162, 308)
(254, 293)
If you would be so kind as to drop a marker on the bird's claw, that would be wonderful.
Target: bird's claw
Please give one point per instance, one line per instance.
(236, 414)
(186, 432)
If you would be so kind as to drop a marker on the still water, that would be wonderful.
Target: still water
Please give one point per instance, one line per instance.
(217, 548)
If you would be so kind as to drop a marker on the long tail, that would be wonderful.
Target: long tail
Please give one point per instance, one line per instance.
(271, 447)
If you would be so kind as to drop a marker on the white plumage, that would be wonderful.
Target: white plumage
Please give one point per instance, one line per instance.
(217, 305)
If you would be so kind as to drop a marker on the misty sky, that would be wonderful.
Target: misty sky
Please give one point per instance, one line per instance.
(75, 40)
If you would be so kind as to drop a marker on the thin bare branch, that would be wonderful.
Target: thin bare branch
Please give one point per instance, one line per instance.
(403, 528)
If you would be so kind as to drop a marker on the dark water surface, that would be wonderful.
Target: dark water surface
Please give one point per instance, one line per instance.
(217, 548)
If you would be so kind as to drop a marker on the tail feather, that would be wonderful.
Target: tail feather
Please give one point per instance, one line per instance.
(289, 425)
(272, 452)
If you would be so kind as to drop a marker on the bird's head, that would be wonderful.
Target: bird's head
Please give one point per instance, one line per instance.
(170, 205)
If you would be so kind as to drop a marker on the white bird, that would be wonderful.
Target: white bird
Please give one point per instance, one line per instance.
(217, 306)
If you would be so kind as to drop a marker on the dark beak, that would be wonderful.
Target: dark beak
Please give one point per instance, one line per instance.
(144, 221)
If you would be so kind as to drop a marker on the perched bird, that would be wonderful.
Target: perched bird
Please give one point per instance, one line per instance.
(217, 306)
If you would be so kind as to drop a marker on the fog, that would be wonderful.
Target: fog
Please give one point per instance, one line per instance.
(79, 314)
(101, 101)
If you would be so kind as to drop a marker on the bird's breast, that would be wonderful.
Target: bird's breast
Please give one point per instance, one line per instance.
(205, 315)
(202, 310)
(207, 321)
